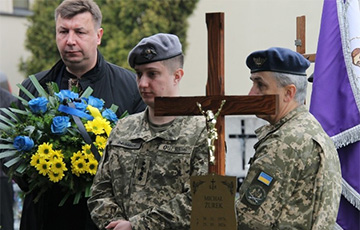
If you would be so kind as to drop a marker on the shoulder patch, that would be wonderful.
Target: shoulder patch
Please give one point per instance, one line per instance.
(255, 195)
(257, 191)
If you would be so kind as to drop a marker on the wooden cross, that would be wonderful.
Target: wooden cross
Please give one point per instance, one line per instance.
(300, 39)
(235, 105)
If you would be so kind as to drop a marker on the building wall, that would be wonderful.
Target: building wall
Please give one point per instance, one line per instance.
(13, 25)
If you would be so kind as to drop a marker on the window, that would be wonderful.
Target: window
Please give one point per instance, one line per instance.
(21, 4)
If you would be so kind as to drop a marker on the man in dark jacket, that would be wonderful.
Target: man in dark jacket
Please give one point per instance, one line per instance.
(6, 189)
(78, 34)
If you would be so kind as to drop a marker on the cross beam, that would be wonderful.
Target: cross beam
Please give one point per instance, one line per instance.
(235, 105)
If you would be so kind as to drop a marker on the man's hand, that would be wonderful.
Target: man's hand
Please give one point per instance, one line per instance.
(119, 225)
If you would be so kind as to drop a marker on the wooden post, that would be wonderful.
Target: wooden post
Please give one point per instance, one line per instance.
(300, 41)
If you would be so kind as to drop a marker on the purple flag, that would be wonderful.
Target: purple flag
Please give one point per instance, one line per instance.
(335, 99)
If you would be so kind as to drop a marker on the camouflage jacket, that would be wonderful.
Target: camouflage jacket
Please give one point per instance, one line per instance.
(294, 181)
(145, 177)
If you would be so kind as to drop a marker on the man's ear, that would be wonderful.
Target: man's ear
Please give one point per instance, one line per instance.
(179, 73)
(99, 35)
(290, 91)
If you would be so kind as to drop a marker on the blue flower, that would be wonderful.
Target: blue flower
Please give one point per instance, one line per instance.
(38, 105)
(23, 143)
(96, 102)
(80, 106)
(66, 94)
(109, 115)
(60, 124)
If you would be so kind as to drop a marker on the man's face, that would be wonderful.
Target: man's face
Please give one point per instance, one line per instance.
(155, 80)
(264, 84)
(77, 41)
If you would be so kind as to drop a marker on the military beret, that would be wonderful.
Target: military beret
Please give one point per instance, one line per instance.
(277, 59)
(157, 47)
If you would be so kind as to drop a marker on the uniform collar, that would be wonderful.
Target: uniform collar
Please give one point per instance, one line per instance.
(143, 130)
(263, 131)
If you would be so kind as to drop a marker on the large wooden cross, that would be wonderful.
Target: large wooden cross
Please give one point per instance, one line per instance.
(235, 105)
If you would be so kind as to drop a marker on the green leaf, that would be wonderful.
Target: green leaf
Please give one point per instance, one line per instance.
(19, 111)
(55, 87)
(88, 190)
(23, 101)
(10, 114)
(114, 108)
(7, 120)
(62, 202)
(87, 92)
(12, 162)
(6, 146)
(21, 169)
(126, 113)
(7, 154)
(29, 129)
(6, 139)
(38, 87)
(22, 88)
(77, 198)
(4, 127)
(53, 101)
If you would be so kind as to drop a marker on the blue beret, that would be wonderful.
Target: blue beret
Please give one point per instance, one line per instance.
(157, 47)
(277, 60)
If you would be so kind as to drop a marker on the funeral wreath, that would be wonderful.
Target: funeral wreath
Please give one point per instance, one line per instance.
(56, 138)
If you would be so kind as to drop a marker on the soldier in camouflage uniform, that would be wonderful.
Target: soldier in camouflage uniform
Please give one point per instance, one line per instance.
(294, 181)
(143, 179)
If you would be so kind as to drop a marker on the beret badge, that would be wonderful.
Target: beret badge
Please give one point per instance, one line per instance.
(149, 53)
(259, 61)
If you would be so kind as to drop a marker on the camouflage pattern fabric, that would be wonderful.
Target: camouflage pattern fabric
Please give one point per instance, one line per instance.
(145, 177)
(294, 181)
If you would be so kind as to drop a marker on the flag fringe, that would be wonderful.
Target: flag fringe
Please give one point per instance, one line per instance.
(337, 227)
(350, 194)
(347, 137)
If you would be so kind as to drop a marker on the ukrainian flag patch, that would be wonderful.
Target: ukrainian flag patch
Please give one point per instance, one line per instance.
(265, 178)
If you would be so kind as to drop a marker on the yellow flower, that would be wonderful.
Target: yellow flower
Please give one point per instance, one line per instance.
(56, 177)
(43, 167)
(76, 156)
(92, 166)
(35, 159)
(86, 149)
(45, 149)
(58, 166)
(97, 125)
(79, 167)
(94, 111)
(100, 142)
(56, 154)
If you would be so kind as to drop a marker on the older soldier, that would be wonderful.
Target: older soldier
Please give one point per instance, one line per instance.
(294, 181)
(143, 180)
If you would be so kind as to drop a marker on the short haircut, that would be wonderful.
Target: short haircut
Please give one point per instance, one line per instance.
(300, 82)
(174, 63)
(70, 8)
